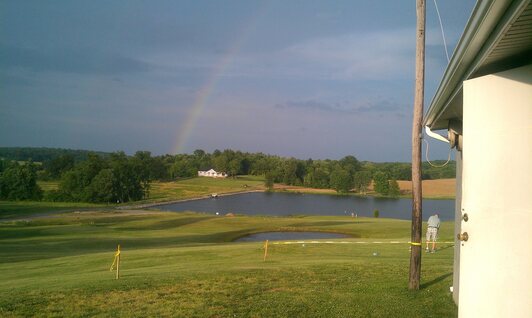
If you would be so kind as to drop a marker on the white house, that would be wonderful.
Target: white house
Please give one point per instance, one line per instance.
(212, 173)
(485, 102)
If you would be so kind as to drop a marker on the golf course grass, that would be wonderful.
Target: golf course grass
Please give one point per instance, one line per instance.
(23, 209)
(202, 186)
(188, 188)
(185, 265)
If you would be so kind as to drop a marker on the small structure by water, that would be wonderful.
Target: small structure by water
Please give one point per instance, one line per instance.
(278, 236)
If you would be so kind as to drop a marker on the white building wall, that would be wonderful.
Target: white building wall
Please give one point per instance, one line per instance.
(496, 261)
(457, 227)
(211, 173)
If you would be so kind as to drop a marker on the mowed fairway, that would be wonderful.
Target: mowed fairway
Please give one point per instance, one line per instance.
(189, 188)
(22, 209)
(184, 265)
(201, 186)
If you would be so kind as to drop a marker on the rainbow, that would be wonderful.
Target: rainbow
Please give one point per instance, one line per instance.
(202, 97)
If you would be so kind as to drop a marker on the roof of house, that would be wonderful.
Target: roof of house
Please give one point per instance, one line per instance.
(497, 37)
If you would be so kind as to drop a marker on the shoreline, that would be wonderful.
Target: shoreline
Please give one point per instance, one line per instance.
(154, 204)
(281, 190)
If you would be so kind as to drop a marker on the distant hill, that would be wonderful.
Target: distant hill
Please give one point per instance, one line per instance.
(43, 154)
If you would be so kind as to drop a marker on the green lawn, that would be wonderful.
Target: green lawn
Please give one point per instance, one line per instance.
(184, 265)
(201, 186)
(21, 209)
(48, 185)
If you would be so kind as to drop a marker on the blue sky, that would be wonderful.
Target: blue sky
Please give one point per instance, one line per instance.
(309, 79)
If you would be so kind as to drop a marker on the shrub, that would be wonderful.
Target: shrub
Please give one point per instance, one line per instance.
(19, 182)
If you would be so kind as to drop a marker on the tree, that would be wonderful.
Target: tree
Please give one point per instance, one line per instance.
(222, 161)
(393, 188)
(74, 182)
(291, 172)
(229, 161)
(235, 165)
(118, 178)
(102, 187)
(142, 161)
(341, 181)
(261, 164)
(128, 184)
(4, 164)
(19, 182)
(159, 169)
(351, 164)
(183, 167)
(202, 159)
(362, 180)
(381, 185)
(59, 165)
(268, 182)
(72, 185)
(317, 177)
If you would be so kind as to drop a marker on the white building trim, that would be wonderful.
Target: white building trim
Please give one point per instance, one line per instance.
(212, 174)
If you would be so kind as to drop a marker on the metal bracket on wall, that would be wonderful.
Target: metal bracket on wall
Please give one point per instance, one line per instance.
(455, 134)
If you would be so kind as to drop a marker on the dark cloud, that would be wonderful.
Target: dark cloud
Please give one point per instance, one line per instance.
(81, 61)
(380, 106)
(310, 105)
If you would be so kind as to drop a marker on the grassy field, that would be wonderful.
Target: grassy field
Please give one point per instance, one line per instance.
(202, 186)
(48, 185)
(22, 209)
(434, 189)
(189, 188)
(184, 265)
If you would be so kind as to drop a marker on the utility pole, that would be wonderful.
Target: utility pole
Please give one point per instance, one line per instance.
(415, 251)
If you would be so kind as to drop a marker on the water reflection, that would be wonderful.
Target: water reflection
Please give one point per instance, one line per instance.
(285, 204)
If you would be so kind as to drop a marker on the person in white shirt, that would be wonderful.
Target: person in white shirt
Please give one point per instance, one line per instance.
(432, 231)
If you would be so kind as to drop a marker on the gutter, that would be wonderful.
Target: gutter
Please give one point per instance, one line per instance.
(487, 24)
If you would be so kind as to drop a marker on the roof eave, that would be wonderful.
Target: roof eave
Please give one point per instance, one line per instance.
(487, 23)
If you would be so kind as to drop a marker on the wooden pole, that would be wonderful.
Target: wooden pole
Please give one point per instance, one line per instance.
(415, 254)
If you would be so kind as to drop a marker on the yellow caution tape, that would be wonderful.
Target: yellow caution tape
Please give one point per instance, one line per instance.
(265, 250)
(350, 242)
(117, 256)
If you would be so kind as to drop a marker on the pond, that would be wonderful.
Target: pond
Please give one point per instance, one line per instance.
(277, 236)
(286, 204)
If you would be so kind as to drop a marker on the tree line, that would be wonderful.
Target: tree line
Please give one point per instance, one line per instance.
(117, 177)
(44, 154)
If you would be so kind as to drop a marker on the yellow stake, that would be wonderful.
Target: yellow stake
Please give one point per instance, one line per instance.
(117, 262)
(265, 250)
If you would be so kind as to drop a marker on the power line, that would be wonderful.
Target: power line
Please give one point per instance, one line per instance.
(442, 33)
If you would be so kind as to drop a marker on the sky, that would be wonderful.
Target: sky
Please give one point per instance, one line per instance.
(305, 79)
